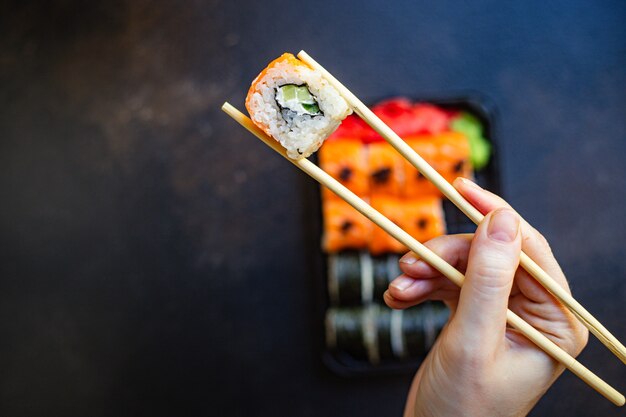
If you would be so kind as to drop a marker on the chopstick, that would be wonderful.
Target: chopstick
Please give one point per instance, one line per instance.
(594, 326)
(429, 256)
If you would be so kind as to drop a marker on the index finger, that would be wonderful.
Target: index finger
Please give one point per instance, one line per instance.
(533, 243)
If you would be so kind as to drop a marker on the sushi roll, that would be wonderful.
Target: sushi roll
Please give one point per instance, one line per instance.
(350, 278)
(386, 170)
(382, 315)
(421, 326)
(354, 331)
(403, 334)
(381, 276)
(344, 278)
(356, 278)
(396, 335)
(370, 314)
(415, 184)
(424, 218)
(345, 332)
(375, 333)
(381, 242)
(344, 227)
(453, 155)
(295, 105)
(386, 269)
(345, 160)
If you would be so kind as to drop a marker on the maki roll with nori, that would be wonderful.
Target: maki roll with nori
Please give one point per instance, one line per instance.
(295, 105)
(357, 278)
(381, 276)
(345, 332)
(386, 171)
(345, 160)
(385, 269)
(375, 333)
(382, 317)
(421, 326)
(344, 227)
(350, 278)
(404, 334)
(354, 331)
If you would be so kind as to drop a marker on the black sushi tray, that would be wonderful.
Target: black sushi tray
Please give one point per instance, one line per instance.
(347, 364)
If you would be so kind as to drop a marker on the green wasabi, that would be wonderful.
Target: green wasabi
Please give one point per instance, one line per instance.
(480, 148)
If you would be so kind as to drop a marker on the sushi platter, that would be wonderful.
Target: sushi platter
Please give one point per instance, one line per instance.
(295, 106)
(358, 260)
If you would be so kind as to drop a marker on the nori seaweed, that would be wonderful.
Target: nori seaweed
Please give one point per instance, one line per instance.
(349, 278)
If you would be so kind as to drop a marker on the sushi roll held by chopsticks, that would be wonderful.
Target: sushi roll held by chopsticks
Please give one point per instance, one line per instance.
(295, 105)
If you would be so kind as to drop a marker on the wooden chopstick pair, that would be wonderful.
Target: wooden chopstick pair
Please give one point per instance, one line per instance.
(427, 255)
(423, 252)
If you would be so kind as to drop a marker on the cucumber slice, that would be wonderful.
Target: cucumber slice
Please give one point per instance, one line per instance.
(297, 99)
(290, 92)
(311, 108)
(304, 95)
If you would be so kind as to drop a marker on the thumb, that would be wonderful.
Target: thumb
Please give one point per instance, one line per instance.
(493, 260)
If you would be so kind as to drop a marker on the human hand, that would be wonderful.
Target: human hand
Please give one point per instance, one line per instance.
(479, 366)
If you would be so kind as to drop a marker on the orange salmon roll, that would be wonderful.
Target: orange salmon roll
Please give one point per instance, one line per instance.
(345, 160)
(344, 227)
(453, 155)
(415, 184)
(393, 209)
(424, 218)
(386, 170)
(295, 105)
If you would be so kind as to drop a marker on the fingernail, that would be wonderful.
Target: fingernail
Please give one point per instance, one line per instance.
(469, 183)
(402, 283)
(503, 225)
(408, 259)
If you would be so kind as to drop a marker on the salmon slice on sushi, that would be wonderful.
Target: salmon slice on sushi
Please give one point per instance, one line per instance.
(415, 184)
(453, 155)
(295, 105)
(385, 170)
(346, 161)
(424, 218)
(344, 227)
(393, 209)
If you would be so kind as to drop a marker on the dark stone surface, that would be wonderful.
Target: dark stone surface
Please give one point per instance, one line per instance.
(154, 256)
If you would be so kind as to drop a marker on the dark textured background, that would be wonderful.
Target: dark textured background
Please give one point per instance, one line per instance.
(154, 256)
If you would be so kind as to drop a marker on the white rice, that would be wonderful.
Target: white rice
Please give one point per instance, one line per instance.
(304, 134)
